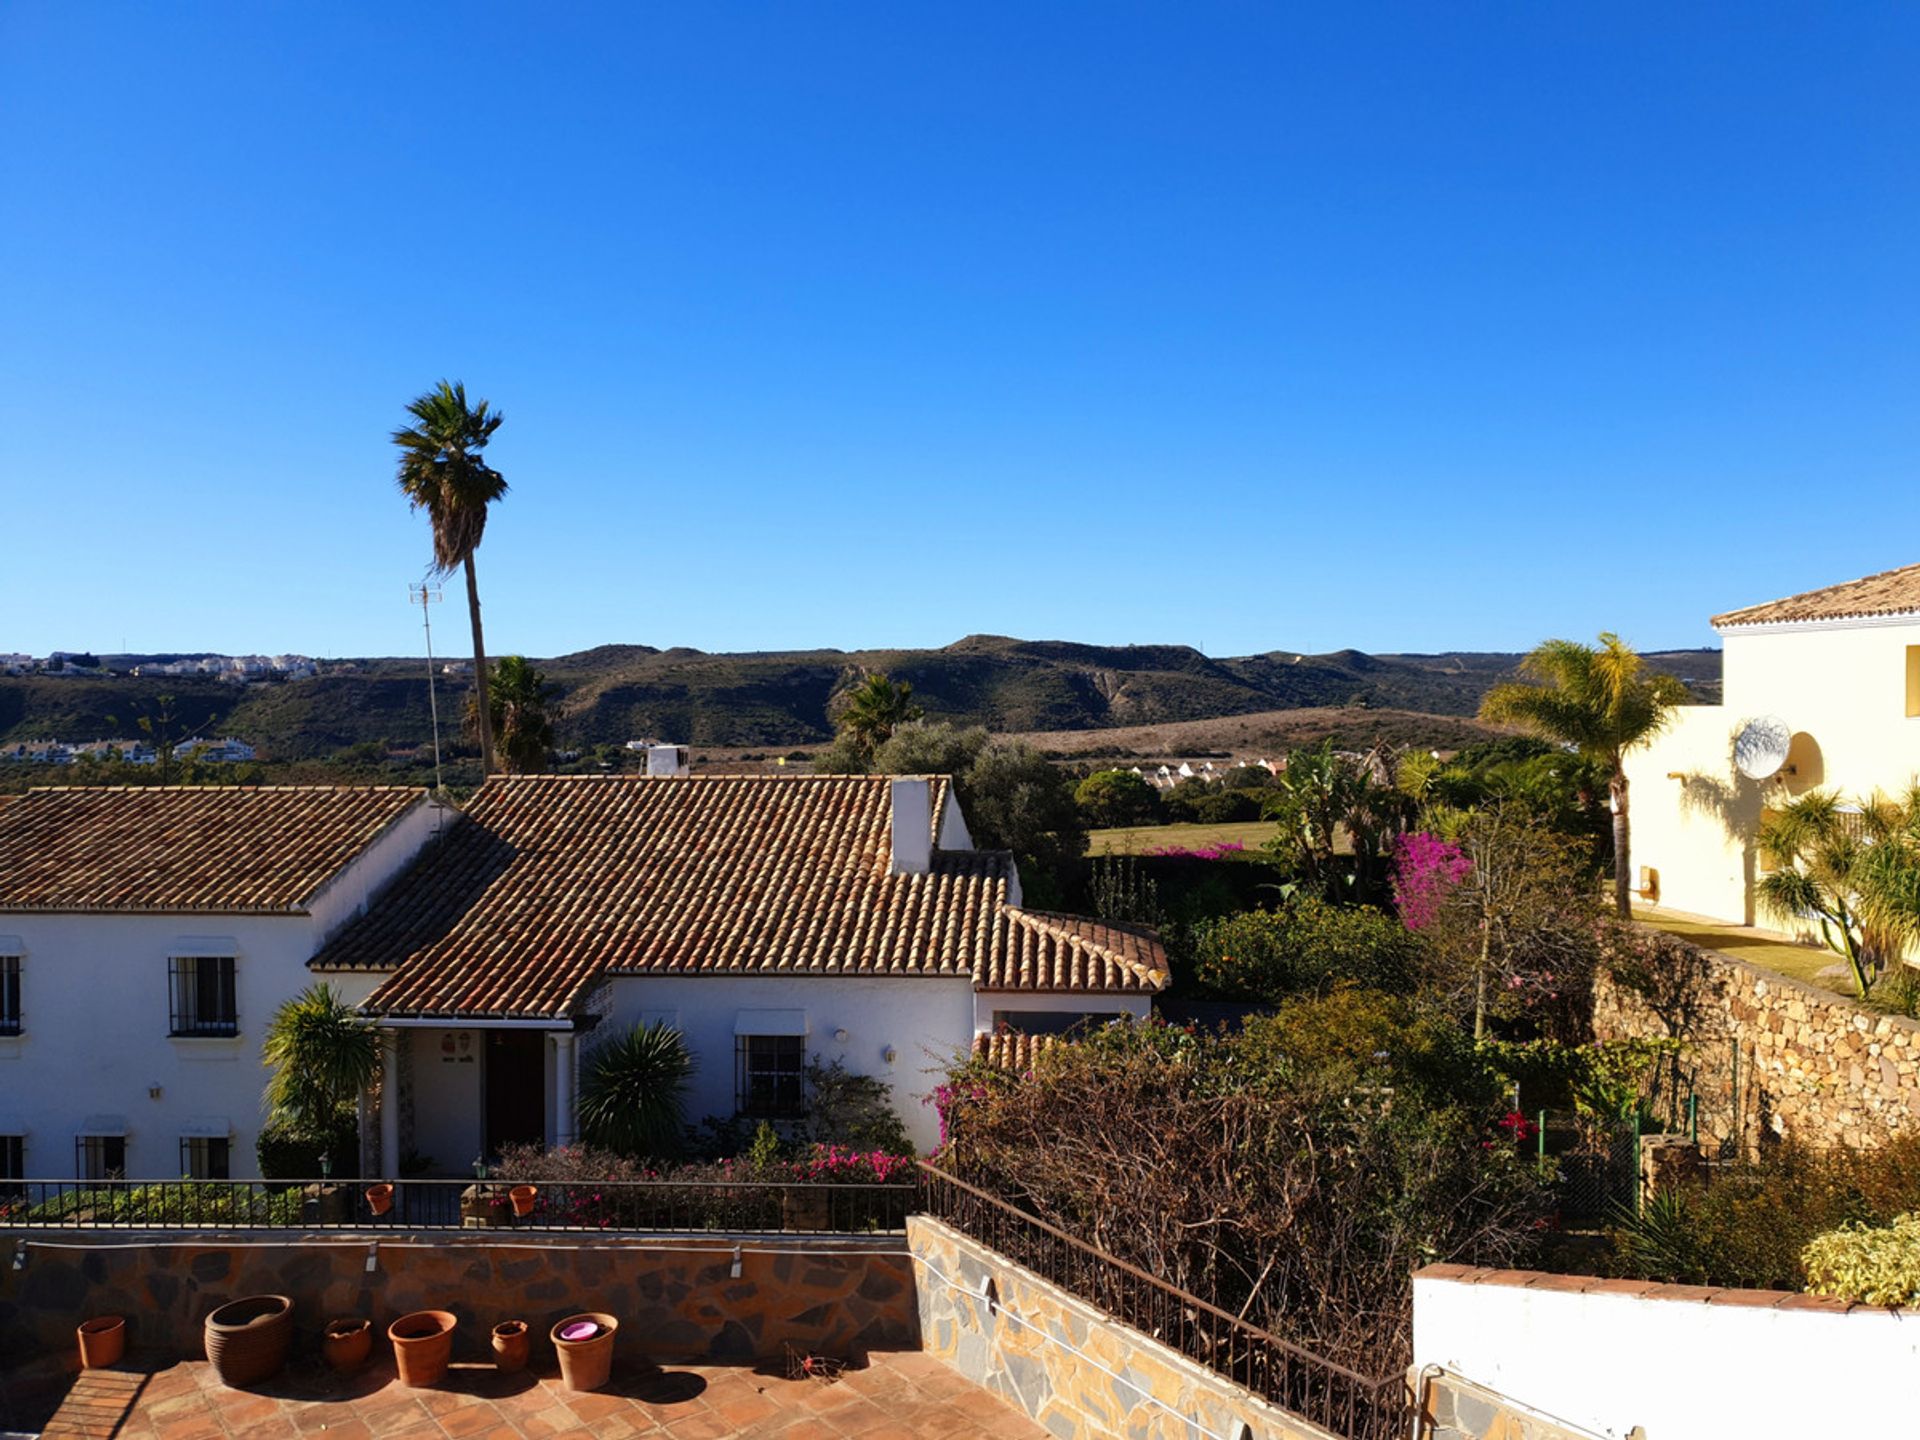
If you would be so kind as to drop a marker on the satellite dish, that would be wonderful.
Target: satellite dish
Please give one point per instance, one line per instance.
(1760, 749)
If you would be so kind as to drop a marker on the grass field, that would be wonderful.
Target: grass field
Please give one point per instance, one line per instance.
(1800, 962)
(1138, 839)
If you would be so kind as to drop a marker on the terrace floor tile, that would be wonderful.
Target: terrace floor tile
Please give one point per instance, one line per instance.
(145, 1399)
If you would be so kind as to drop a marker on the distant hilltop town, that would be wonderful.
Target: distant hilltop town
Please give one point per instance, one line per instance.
(238, 669)
(130, 752)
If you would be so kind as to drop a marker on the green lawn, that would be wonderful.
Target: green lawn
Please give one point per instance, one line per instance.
(1800, 962)
(1138, 839)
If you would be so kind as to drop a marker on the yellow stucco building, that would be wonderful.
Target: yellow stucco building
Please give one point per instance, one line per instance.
(1838, 669)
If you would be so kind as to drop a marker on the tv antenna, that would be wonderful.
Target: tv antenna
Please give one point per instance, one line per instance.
(426, 595)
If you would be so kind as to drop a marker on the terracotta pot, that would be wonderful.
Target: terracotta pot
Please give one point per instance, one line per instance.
(511, 1344)
(585, 1363)
(380, 1198)
(247, 1339)
(103, 1340)
(345, 1342)
(522, 1197)
(422, 1343)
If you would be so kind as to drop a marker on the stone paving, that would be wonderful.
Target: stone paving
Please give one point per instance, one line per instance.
(895, 1396)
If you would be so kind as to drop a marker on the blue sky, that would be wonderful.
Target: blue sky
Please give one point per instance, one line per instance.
(1248, 326)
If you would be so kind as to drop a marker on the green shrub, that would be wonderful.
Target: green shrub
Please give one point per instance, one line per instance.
(1306, 946)
(287, 1153)
(1117, 797)
(1871, 1264)
(851, 1110)
(633, 1094)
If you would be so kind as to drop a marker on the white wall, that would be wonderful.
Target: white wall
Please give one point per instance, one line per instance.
(1609, 1360)
(94, 1000)
(449, 1099)
(1842, 692)
(925, 1021)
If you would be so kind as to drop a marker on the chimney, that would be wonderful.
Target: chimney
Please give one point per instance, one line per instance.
(912, 825)
(668, 760)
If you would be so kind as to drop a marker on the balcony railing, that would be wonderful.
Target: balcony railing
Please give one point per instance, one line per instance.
(631, 1207)
(1322, 1391)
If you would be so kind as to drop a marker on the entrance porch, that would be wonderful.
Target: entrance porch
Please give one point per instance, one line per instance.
(466, 1091)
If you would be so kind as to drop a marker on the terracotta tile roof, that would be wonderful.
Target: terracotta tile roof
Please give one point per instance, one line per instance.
(186, 848)
(551, 883)
(1891, 592)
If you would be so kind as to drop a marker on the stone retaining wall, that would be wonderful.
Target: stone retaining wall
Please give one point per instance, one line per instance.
(1076, 1371)
(675, 1300)
(1811, 1065)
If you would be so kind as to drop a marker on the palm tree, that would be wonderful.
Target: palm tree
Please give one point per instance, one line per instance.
(875, 708)
(442, 473)
(522, 728)
(322, 1054)
(1848, 868)
(1603, 702)
(633, 1094)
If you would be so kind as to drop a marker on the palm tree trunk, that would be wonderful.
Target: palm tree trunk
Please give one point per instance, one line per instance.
(1622, 848)
(482, 695)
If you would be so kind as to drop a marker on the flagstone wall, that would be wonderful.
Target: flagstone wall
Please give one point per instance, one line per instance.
(674, 1301)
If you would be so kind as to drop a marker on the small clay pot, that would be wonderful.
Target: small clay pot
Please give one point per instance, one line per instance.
(346, 1342)
(103, 1340)
(522, 1197)
(247, 1340)
(511, 1344)
(380, 1198)
(422, 1345)
(586, 1362)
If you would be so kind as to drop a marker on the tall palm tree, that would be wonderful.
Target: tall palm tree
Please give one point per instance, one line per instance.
(875, 708)
(1603, 702)
(522, 727)
(442, 472)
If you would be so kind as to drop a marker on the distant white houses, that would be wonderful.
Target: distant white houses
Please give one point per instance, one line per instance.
(237, 669)
(131, 752)
(214, 752)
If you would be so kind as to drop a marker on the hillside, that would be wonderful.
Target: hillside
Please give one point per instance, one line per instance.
(781, 698)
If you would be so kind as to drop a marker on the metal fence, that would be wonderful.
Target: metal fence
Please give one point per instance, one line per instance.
(1322, 1391)
(649, 1207)
(1594, 1166)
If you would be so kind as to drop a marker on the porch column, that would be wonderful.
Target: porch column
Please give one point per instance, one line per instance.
(390, 1104)
(563, 1087)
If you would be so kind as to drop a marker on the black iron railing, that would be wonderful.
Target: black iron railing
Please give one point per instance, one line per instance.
(1321, 1391)
(650, 1207)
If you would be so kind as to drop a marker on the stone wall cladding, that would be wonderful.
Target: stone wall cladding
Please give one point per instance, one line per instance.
(1078, 1372)
(1456, 1409)
(674, 1301)
(1813, 1066)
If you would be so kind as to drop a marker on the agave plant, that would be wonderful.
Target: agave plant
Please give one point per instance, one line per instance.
(633, 1094)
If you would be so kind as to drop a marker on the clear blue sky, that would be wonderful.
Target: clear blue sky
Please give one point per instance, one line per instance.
(1247, 326)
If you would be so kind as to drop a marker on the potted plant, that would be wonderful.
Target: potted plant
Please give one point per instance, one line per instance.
(523, 1197)
(346, 1341)
(103, 1340)
(422, 1344)
(511, 1344)
(247, 1339)
(584, 1344)
(380, 1198)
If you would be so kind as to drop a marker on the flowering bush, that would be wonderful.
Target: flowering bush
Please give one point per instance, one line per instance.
(1201, 852)
(844, 1165)
(1425, 871)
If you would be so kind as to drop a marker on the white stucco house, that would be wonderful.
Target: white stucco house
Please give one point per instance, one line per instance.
(769, 918)
(147, 935)
(1833, 675)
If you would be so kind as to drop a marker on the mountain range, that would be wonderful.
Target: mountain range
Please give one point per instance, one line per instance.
(613, 693)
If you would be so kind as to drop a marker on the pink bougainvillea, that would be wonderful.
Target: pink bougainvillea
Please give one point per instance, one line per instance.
(1203, 852)
(1425, 871)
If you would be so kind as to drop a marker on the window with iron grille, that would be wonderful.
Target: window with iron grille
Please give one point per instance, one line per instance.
(201, 995)
(770, 1076)
(9, 994)
(205, 1157)
(13, 1162)
(101, 1157)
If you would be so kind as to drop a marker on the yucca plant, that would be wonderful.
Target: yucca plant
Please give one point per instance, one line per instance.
(633, 1094)
(323, 1053)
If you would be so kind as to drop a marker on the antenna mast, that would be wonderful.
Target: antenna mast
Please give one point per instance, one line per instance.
(426, 595)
